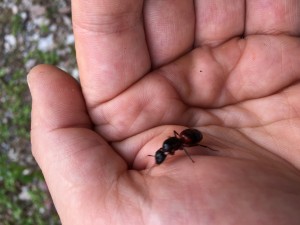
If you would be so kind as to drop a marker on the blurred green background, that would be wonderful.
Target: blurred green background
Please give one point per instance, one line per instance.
(32, 32)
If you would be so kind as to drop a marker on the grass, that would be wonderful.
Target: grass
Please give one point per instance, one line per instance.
(49, 57)
(16, 24)
(20, 175)
(13, 210)
(17, 175)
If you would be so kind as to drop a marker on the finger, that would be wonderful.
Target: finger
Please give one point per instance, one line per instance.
(169, 26)
(218, 21)
(236, 71)
(54, 93)
(273, 17)
(71, 156)
(111, 47)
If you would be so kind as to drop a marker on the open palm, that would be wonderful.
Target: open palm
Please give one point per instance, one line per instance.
(148, 68)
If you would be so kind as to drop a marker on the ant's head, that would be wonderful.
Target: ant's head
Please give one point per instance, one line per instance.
(160, 156)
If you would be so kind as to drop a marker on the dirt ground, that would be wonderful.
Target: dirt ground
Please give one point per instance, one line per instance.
(31, 32)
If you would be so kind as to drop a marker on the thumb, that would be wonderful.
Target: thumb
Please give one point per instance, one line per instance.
(78, 165)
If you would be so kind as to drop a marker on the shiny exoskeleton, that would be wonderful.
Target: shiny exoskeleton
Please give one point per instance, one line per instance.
(187, 138)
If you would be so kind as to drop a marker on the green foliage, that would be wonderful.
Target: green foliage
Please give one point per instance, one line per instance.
(44, 29)
(13, 176)
(14, 210)
(16, 24)
(15, 108)
(14, 90)
(49, 57)
(15, 101)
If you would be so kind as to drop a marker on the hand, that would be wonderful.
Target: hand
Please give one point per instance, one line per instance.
(150, 67)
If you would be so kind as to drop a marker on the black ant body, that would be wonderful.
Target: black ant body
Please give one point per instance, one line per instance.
(187, 138)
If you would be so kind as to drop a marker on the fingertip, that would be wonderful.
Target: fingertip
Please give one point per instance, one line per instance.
(39, 71)
(31, 73)
(57, 100)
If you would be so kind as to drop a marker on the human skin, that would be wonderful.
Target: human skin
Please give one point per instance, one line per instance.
(228, 68)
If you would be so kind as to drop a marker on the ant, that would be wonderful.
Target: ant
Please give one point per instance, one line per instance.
(187, 138)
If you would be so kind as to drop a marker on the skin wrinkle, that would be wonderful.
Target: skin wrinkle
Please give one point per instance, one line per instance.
(226, 86)
(144, 101)
(101, 43)
(279, 161)
(68, 147)
(184, 83)
(108, 122)
(290, 107)
(285, 94)
(208, 117)
(137, 83)
(109, 23)
(122, 196)
(259, 122)
(252, 115)
(238, 92)
(185, 95)
(161, 29)
(275, 146)
(143, 198)
(144, 140)
(225, 116)
(81, 173)
(153, 101)
(192, 118)
(262, 147)
(104, 119)
(215, 88)
(224, 76)
(218, 12)
(280, 14)
(223, 120)
(96, 105)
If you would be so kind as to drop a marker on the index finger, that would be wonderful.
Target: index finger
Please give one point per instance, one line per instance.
(273, 17)
(111, 46)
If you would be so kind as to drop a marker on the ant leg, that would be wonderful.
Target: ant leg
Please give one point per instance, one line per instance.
(176, 134)
(188, 155)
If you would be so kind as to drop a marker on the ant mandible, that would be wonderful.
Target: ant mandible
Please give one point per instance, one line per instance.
(187, 138)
